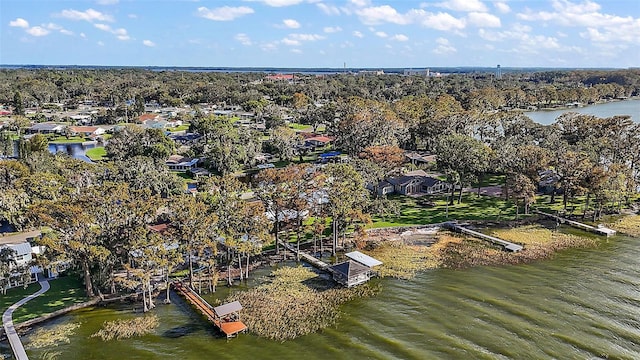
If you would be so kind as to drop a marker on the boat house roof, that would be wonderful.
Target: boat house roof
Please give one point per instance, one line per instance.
(363, 259)
(227, 309)
(350, 268)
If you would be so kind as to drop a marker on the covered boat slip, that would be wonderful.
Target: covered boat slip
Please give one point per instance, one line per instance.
(355, 271)
(225, 317)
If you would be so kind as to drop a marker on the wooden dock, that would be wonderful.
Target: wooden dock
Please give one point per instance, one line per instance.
(317, 263)
(224, 317)
(600, 230)
(505, 244)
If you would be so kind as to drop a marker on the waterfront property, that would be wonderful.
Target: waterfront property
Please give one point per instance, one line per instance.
(225, 317)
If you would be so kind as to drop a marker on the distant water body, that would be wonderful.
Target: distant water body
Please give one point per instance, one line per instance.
(626, 107)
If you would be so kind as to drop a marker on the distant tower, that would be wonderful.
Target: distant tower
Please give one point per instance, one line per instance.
(498, 72)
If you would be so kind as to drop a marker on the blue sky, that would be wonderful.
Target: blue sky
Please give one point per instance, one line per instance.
(322, 33)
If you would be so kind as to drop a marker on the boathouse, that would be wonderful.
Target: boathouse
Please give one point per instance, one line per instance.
(355, 271)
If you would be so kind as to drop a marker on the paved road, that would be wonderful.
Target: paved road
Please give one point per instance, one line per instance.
(12, 335)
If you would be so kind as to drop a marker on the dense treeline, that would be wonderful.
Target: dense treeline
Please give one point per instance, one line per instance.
(115, 87)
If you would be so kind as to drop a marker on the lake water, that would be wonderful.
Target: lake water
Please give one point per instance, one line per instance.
(627, 107)
(75, 150)
(583, 304)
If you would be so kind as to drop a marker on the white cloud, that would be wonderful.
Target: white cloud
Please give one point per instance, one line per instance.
(381, 34)
(296, 51)
(103, 27)
(132, 16)
(83, 35)
(400, 37)
(291, 24)
(87, 15)
(148, 43)
(19, 22)
(290, 42)
(444, 47)
(358, 34)
(328, 9)
(332, 29)
(601, 28)
(37, 31)
(225, 13)
(66, 32)
(271, 46)
(56, 27)
(381, 14)
(100, 43)
(107, 2)
(120, 33)
(439, 21)
(243, 39)
(360, 3)
(279, 3)
(306, 37)
(298, 39)
(483, 19)
(502, 7)
(463, 5)
(387, 14)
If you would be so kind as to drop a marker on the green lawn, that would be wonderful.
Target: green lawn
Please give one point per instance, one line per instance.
(299, 127)
(65, 140)
(97, 153)
(64, 292)
(415, 211)
(182, 127)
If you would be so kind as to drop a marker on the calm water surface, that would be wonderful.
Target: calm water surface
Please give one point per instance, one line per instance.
(75, 150)
(627, 107)
(583, 304)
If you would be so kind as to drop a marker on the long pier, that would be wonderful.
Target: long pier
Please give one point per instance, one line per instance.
(220, 316)
(505, 244)
(600, 230)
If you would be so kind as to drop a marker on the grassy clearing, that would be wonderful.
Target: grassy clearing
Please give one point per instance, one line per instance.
(294, 302)
(127, 328)
(182, 127)
(64, 292)
(97, 153)
(629, 225)
(299, 127)
(53, 336)
(65, 140)
(413, 211)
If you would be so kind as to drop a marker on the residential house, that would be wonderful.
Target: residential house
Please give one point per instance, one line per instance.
(317, 141)
(86, 130)
(416, 182)
(419, 158)
(47, 128)
(20, 243)
(181, 163)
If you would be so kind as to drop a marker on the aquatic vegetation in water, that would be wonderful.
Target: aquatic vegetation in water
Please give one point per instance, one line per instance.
(294, 302)
(52, 336)
(403, 261)
(629, 225)
(126, 328)
(539, 243)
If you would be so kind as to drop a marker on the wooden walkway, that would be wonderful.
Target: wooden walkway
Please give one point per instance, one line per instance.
(505, 244)
(319, 264)
(7, 320)
(600, 230)
(230, 328)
